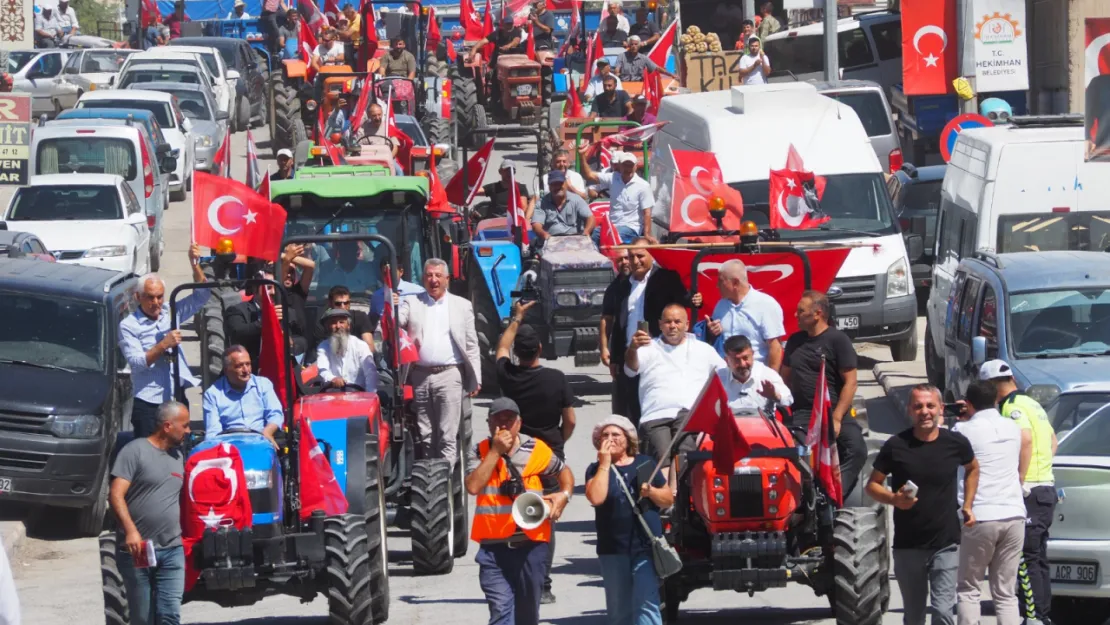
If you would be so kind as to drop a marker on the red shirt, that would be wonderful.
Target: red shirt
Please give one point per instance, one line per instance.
(174, 23)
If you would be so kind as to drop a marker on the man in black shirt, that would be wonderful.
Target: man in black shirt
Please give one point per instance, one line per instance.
(608, 318)
(362, 324)
(612, 102)
(244, 324)
(815, 343)
(505, 40)
(645, 28)
(297, 285)
(926, 522)
(498, 194)
(543, 25)
(545, 399)
(612, 37)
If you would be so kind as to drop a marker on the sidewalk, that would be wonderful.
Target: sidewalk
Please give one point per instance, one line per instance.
(896, 380)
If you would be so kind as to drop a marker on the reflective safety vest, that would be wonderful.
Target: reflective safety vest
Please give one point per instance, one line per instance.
(493, 512)
(1029, 415)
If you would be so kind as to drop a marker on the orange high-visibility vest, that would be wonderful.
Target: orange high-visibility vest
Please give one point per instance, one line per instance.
(493, 512)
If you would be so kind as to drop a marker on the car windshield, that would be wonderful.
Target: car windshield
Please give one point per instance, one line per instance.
(105, 62)
(193, 104)
(86, 155)
(355, 265)
(857, 203)
(68, 203)
(868, 105)
(1063, 323)
(1090, 438)
(16, 60)
(51, 331)
(159, 109)
(923, 196)
(413, 130)
(1054, 231)
(1070, 409)
(142, 74)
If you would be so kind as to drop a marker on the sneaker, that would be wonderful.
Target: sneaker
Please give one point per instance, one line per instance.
(547, 598)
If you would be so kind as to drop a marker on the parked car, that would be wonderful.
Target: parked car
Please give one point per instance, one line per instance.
(170, 121)
(89, 70)
(121, 115)
(36, 72)
(206, 60)
(65, 391)
(247, 73)
(1047, 314)
(15, 244)
(204, 126)
(867, 99)
(87, 219)
(122, 150)
(1075, 405)
(915, 192)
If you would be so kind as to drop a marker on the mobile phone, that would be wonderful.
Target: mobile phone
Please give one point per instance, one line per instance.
(910, 489)
(954, 410)
(642, 326)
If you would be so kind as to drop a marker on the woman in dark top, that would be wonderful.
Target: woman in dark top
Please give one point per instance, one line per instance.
(624, 549)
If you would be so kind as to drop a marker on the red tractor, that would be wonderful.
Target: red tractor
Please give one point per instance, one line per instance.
(512, 92)
(768, 520)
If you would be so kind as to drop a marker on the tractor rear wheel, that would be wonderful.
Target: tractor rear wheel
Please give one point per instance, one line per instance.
(347, 570)
(213, 341)
(436, 128)
(376, 532)
(464, 105)
(116, 611)
(432, 528)
(860, 576)
(460, 500)
(287, 117)
(488, 325)
(275, 84)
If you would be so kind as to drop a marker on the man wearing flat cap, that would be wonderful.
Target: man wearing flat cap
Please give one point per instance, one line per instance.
(344, 359)
(560, 213)
(511, 559)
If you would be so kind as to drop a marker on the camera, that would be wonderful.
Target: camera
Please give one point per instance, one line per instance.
(511, 488)
(526, 288)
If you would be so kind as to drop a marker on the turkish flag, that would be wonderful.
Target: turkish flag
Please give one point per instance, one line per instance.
(475, 174)
(264, 186)
(308, 44)
(574, 102)
(562, 5)
(319, 488)
(635, 136)
(711, 415)
(821, 439)
(572, 32)
(434, 37)
(271, 355)
(222, 160)
(487, 29)
(331, 6)
(362, 104)
(653, 91)
(778, 274)
(405, 142)
(698, 178)
(517, 9)
(148, 11)
(795, 196)
(215, 495)
(662, 48)
(437, 196)
(323, 137)
(1096, 57)
(368, 29)
(516, 208)
(229, 209)
(929, 44)
(530, 47)
(594, 53)
(312, 17)
(610, 238)
(1097, 85)
(254, 175)
(406, 352)
(471, 21)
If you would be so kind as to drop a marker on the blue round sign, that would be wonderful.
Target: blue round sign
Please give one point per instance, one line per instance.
(953, 128)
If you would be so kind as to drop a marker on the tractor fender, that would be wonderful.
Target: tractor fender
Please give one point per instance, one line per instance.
(260, 48)
(342, 423)
(499, 264)
(294, 69)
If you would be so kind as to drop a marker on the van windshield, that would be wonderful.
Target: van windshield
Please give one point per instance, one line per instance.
(1047, 232)
(86, 155)
(796, 55)
(1060, 324)
(868, 105)
(857, 203)
(51, 331)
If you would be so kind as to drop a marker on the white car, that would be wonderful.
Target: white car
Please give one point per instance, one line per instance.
(206, 59)
(88, 70)
(36, 72)
(85, 219)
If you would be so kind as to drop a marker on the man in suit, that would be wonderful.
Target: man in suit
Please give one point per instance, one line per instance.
(442, 327)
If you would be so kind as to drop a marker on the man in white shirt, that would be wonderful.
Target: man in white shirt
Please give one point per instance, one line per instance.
(744, 310)
(630, 198)
(328, 52)
(596, 86)
(672, 370)
(560, 161)
(755, 67)
(750, 384)
(449, 366)
(67, 19)
(994, 521)
(344, 359)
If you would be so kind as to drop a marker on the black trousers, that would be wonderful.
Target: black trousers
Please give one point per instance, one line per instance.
(267, 23)
(626, 397)
(850, 447)
(1040, 505)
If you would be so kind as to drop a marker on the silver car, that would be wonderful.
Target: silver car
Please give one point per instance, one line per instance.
(206, 124)
(88, 70)
(36, 72)
(869, 102)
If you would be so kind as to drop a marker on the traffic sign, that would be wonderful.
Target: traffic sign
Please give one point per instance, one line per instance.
(953, 128)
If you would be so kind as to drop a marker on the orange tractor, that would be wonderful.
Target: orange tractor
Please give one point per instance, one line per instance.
(516, 91)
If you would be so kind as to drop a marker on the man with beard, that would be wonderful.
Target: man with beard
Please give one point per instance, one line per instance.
(399, 62)
(344, 359)
(750, 384)
(373, 131)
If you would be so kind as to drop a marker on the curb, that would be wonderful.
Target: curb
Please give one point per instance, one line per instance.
(887, 382)
(11, 536)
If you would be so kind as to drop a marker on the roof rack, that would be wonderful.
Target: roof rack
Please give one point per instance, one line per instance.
(1046, 121)
(988, 257)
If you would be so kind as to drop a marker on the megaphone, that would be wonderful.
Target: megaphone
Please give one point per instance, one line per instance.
(530, 511)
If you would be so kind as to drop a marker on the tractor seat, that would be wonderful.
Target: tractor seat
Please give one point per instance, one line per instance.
(373, 154)
(493, 223)
(507, 62)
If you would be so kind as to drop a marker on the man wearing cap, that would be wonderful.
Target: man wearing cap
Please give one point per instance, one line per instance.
(67, 19)
(596, 86)
(1038, 485)
(631, 64)
(285, 165)
(630, 198)
(561, 213)
(755, 67)
(512, 560)
(498, 193)
(47, 29)
(640, 113)
(239, 11)
(344, 359)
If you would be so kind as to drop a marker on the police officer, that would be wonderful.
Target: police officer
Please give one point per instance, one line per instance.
(1038, 446)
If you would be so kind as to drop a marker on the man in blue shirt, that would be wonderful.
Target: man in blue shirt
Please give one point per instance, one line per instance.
(240, 400)
(403, 287)
(148, 343)
(744, 310)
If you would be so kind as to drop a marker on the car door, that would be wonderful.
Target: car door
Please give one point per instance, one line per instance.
(42, 77)
(959, 329)
(142, 232)
(69, 84)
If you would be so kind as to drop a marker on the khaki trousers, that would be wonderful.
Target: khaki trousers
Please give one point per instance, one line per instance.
(437, 400)
(993, 546)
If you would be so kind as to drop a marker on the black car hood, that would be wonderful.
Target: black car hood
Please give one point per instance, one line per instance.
(43, 391)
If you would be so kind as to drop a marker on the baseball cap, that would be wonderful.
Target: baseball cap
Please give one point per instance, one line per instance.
(634, 39)
(557, 175)
(336, 312)
(994, 369)
(503, 404)
(624, 157)
(285, 152)
(527, 339)
(506, 165)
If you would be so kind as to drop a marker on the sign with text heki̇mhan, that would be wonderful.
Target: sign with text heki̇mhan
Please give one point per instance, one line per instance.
(15, 138)
(1001, 61)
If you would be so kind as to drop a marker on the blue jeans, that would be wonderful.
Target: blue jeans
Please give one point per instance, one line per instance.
(154, 594)
(512, 580)
(631, 589)
(627, 235)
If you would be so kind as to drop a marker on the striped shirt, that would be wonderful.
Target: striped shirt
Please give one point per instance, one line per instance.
(519, 457)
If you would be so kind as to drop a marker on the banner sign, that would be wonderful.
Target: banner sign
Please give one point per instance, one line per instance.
(1001, 61)
(1096, 71)
(15, 138)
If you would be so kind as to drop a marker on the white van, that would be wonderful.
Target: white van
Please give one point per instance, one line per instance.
(750, 129)
(1022, 187)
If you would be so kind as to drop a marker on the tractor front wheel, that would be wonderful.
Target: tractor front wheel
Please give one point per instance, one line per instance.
(376, 532)
(432, 519)
(290, 129)
(859, 566)
(347, 571)
(116, 610)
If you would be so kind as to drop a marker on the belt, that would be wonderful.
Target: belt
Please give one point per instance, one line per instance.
(436, 368)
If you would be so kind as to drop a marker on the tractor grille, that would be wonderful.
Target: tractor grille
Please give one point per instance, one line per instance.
(745, 493)
(591, 277)
(22, 421)
(859, 290)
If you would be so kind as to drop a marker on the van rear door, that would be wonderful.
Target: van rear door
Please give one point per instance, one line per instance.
(1033, 179)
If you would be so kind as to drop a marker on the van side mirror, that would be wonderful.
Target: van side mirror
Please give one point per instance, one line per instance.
(222, 116)
(915, 247)
(169, 163)
(978, 350)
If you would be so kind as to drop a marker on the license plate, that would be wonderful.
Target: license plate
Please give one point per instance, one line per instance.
(524, 90)
(5, 484)
(849, 322)
(1071, 573)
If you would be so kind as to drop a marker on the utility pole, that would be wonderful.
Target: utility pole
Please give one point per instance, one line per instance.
(965, 22)
(832, 63)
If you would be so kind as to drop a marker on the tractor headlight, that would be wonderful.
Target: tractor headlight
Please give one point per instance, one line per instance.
(75, 426)
(310, 105)
(720, 511)
(718, 482)
(773, 510)
(898, 279)
(773, 495)
(719, 497)
(257, 479)
(566, 299)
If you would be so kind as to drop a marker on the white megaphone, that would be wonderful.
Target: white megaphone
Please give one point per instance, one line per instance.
(530, 511)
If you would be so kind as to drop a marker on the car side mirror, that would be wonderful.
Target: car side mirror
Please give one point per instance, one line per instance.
(978, 350)
(915, 247)
(169, 163)
(233, 74)
(187, 124)
(163, 148)
(111, 81)
(222, 116)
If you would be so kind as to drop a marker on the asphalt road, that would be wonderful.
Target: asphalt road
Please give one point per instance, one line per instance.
(59, 582)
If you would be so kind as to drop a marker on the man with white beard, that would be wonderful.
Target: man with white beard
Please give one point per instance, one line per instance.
(344, 359)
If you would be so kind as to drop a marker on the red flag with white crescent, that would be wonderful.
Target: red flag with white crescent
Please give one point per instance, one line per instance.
(148, 11)
(594, 52)
(471, 21)
(711, 415)
(254, 174)
(1096, 71)
(313, 16)
(697, 180)
(434, 37)
(572, 32)
(308, 44)
(228, 209)
(821, 439)
(795, 196)
(574, 102)
(610, 238)
(214, 495)
(271, 352)
(335, 155)
(475, 175)
(368, 28)
(264, 186)
(407, 352)
(362, 104)
(929, 43)
(222, 160)
(634, 136)
(487, 30)
(516, 208)
(663, 45)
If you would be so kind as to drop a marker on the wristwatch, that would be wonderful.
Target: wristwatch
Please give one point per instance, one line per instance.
(568, 493)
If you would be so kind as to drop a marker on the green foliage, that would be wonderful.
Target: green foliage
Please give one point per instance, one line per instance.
(91, 13)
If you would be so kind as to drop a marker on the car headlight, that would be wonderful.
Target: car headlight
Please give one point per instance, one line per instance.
(566, 299)
(204, 141)
(106, 250)
(257, 478)
(597, 299)
(1044, 394)
(75, 426)
(898, 278)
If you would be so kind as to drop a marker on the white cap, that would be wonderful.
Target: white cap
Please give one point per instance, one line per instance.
(624, 157)
(994, 369)
(285, 152)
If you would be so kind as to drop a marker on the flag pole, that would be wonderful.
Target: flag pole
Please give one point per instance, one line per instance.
(678, 433)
